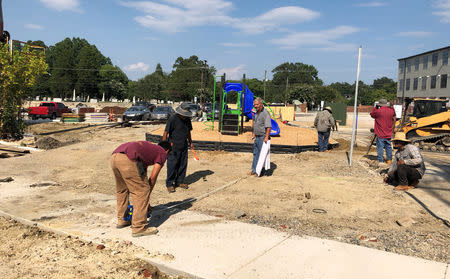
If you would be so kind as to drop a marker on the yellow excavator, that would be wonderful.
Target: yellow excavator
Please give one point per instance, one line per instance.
(429, 125)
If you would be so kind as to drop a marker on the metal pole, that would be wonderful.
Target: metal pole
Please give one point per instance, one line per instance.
(355, 105)
(286, 97)
(265, 74)
(403, 95)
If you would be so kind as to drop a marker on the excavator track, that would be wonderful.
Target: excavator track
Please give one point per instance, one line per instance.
(425, 144)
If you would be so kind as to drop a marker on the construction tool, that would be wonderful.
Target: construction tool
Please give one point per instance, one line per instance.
(195, 155)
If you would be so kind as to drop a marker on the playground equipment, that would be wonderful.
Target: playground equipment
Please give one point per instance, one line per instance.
(231, 121)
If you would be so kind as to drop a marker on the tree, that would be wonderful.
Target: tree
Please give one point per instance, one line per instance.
(90, 62)
(295, 73)
(346, 89)
(113, 83)
(18, 74)
(185, 81)
(62, 76)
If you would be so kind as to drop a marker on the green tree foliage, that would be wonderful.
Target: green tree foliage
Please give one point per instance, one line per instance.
(295, 73)
(153, 86)
(314, 94)
(185, 81)
(18, 74)
(114, 82)
(74, 64)
(90, 60)
(346, 89)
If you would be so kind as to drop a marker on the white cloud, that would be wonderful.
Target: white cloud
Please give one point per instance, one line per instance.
(372, 4)
(33, 26)
(178, 15)
(322, 40)
(62, 5)
(443, 10)
(140, 66)
(415, 34)
(233, 73)
(237, 44)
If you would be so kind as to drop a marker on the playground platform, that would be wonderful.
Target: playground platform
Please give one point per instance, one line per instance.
(290, 140)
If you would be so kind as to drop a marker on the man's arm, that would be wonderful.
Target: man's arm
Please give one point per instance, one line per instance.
(154, 176)
(190, 140)
(374, 113)
(416, 157)
(316, 120)
(164, 137)
(266, 136)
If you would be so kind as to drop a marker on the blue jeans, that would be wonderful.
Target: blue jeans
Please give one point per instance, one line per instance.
(323, 140)
(257, 146)
(177, 162)
(381, 145)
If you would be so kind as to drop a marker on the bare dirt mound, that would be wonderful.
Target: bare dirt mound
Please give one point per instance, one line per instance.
(48, 143)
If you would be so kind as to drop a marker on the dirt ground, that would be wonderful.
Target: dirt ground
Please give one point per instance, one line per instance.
(310, 193)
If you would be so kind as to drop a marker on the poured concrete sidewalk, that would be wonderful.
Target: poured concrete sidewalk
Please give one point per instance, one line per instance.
(205, 246)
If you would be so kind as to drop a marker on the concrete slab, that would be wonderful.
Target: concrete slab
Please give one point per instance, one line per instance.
(314, 258)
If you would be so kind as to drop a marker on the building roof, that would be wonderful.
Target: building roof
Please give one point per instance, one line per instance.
(439, 49)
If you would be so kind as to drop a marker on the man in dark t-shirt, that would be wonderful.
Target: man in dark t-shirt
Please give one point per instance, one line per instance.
(178, 133)
(129, 163)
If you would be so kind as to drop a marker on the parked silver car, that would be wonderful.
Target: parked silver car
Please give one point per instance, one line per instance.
(163, 112)
(136, 113)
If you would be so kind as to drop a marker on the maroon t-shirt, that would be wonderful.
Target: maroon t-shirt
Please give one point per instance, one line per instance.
(384, 123)
(144, 151)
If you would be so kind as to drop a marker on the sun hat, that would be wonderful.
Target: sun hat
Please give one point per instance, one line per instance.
(400, 136)
(328, 108)
(183, 110)
(383, 103)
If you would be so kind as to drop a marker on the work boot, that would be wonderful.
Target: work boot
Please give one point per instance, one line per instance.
(123, 224)
(388, 162)
(147, 231)
(184, 186)
(171, 189)
(250, 173)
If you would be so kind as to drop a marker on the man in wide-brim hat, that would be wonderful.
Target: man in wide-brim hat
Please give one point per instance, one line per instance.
(178, 133)
(407, 166)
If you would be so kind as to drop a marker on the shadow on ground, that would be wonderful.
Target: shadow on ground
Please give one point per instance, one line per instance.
(196, 176)
(162, 212)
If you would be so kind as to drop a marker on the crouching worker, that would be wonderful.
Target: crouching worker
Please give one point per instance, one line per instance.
(129, 164)
(407, 167)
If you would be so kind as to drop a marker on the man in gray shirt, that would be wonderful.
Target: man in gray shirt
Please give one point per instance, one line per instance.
(407, 167)
(323, 123)
(261, 131)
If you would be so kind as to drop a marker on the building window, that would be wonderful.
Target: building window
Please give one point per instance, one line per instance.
(424, 83)
(416, 64)
(407, 83)
(400, 85)
(445, 58)
(415, 83)
(408, 66)
(425, 62)
(443, 81)
(433, 82)
(401, 67)
(434, 59)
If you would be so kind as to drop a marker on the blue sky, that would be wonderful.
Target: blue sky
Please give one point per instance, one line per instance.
(246, 36)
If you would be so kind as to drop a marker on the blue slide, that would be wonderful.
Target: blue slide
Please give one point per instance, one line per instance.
(248, 104)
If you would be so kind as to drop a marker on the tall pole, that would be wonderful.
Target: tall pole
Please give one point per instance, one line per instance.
(355, 105)
(286, 97)
(265, 78)
(404, 108)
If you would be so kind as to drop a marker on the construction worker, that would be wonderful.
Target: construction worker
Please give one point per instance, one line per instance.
(323, 122)
(178, 133)
(129, 164)
(261, 131)
(407, 167)
(385, 119)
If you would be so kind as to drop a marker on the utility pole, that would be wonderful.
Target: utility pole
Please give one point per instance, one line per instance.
(265, 74)
(201, 90)
(287, 85)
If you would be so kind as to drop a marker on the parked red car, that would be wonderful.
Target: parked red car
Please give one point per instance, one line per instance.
(48, 110)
